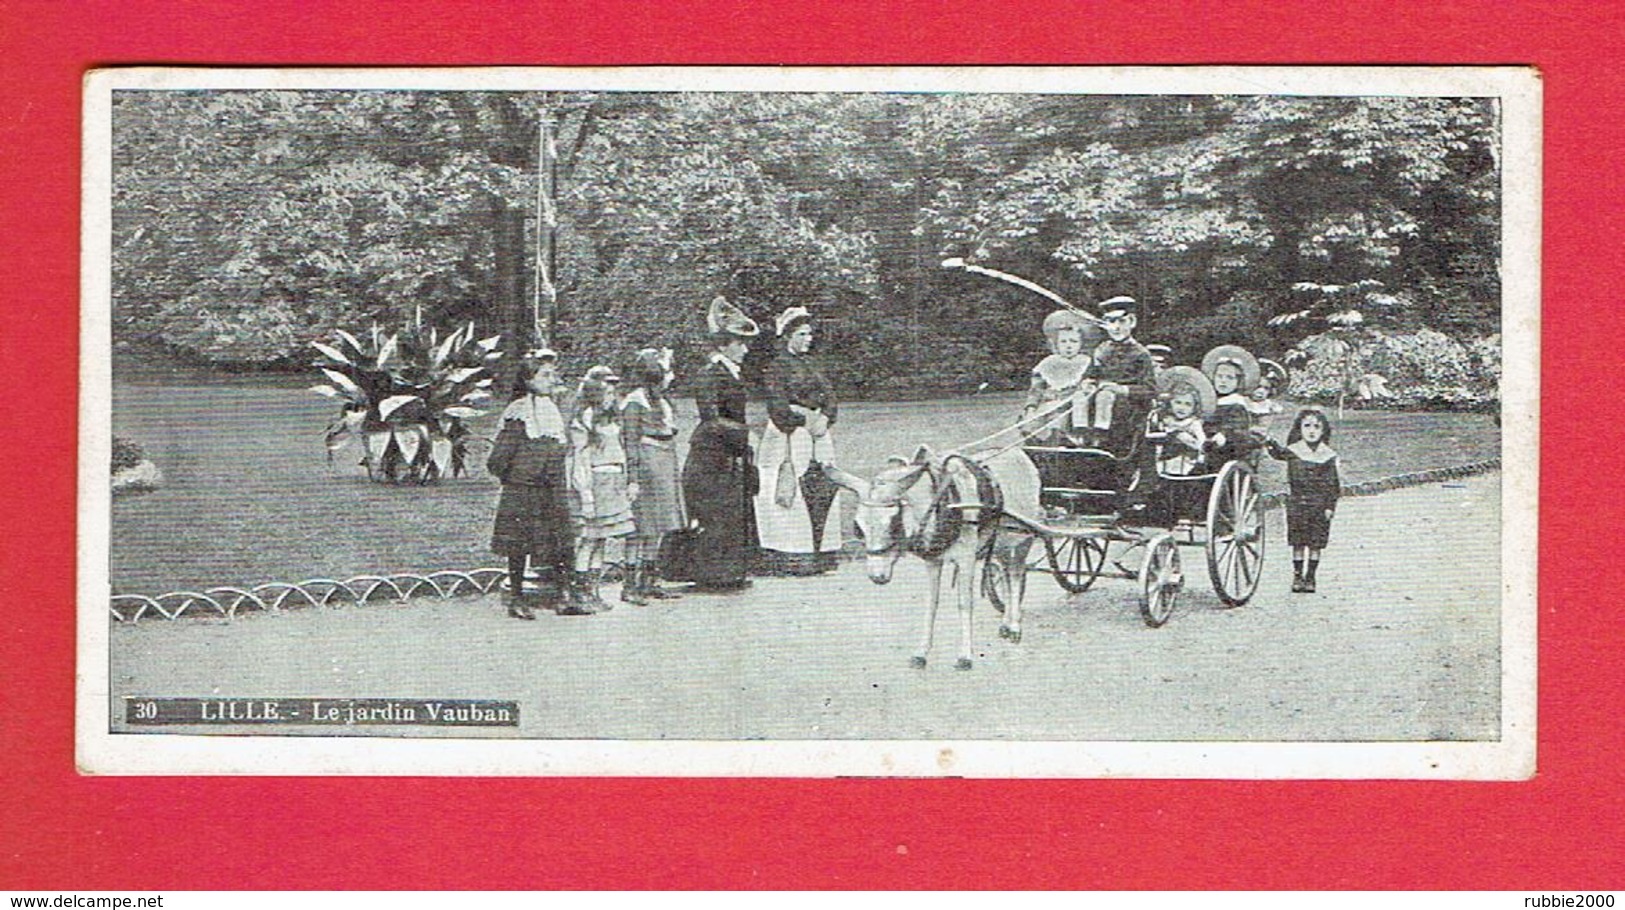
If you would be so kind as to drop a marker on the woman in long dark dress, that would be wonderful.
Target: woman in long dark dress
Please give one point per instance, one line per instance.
(719, 478)
(1313, 484)
(794, 507)
(528, 457)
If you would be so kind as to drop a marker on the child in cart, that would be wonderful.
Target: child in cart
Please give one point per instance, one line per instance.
(1122, 374)
(1188, 399)
(1234, 373)
(1057, 378)
(1261, 404)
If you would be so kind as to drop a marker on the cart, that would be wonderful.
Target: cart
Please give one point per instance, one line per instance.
(1103, 509)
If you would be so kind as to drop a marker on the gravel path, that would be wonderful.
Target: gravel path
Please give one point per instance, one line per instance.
(1400, 644)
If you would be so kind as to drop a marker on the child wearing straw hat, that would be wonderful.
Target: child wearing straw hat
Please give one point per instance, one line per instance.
(1059, 375)
(1189, 400)
(1234, 373)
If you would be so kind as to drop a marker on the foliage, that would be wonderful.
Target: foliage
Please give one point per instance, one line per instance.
(1424, 369)
(248, 223)
(405, 396)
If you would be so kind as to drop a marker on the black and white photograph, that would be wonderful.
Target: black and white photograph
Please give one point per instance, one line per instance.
(983, 422)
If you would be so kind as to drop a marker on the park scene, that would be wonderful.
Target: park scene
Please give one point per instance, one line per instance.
(865, 351)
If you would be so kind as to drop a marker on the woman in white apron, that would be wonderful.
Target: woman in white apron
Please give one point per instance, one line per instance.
(795, 507)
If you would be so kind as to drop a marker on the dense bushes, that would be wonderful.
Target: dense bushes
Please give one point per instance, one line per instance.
(1424, 369)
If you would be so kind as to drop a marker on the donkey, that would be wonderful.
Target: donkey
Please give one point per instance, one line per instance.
(947, 511)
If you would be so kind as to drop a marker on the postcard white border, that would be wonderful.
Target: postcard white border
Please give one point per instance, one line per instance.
(1511, 758)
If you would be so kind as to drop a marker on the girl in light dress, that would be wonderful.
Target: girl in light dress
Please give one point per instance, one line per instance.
(1059, 376)
(601, 493)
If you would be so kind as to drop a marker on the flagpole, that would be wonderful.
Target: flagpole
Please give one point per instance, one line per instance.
(545, 297)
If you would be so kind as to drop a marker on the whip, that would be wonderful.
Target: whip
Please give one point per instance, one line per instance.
(1024, 284)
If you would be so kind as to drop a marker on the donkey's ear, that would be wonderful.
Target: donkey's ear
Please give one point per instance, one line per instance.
(843, 479)
(922, 455)
(911, 476)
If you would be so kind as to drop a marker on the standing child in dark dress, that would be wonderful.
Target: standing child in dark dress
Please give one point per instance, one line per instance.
(1311, 471)
(528, 457)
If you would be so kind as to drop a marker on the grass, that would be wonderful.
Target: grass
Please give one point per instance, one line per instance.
(249, 497)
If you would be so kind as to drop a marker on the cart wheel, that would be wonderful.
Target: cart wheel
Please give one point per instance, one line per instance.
(1235, 534)
(1076, 561)
(1160, 580)
(996, 584)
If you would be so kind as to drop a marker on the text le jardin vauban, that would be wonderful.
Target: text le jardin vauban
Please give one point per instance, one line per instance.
(443, 712)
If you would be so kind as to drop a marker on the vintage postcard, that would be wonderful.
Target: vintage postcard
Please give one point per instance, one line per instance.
(983, 422)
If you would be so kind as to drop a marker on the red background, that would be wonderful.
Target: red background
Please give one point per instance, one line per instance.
(1562, 830)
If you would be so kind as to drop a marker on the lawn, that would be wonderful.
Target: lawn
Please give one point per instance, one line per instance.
(250, 498)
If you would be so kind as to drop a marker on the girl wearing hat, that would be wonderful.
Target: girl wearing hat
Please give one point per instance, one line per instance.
(528, 457)
(649, 436)
(1234, 373)
(1311, 472)
(719, 478)
(601, 501)
(1178, 428)
(793, 505)
(1059, 375)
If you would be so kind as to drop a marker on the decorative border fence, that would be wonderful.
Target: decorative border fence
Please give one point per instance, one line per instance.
(315, 592)
(401, 587)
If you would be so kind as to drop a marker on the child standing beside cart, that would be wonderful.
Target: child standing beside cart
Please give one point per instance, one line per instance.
(1311, 470)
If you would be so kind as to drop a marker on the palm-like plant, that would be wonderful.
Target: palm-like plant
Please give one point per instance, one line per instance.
(1339, 308)
(405, 398)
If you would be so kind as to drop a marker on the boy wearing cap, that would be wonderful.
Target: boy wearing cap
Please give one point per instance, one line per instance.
(1122, 369)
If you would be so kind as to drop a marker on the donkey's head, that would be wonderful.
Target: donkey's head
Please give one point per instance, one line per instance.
(888, 516)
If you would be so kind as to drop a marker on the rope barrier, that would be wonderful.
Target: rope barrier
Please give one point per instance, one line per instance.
(1277, 498)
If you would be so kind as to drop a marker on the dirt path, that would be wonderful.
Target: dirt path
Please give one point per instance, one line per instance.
(1401, 643)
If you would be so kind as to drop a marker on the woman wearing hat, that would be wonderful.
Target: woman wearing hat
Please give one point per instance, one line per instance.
(528, 457)
(719, 478)
(793, 506)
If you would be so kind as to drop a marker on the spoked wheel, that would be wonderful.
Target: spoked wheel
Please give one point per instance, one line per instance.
(997, 584)
(1235, 534)
(1075, 561)
(1161, 580)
